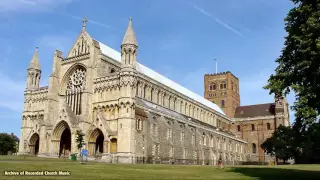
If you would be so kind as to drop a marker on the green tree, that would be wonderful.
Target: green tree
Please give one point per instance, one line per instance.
(79, 139)
(299, 64)
(7, 143)
(299, 71)
(280, 143)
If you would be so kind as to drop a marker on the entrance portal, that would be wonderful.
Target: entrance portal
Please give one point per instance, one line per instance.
(96, 141)
(61, 139)
(34, 144)
(99, 143)
(65, 143)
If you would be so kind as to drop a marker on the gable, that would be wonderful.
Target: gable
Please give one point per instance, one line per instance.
(82, 45)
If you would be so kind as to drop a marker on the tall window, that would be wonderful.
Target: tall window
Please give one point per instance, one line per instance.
(171, 151)
(239, 128)
(151, 94)
(145, 92)
(139, 125)
(222, 103)
(169, 135)
(75, 88)
(203, 139)
(212, 86)
(182, 137)
(252, 127)
(158, 97)
(254, 148)
(193, 140)
(223, 85)
(268, 126)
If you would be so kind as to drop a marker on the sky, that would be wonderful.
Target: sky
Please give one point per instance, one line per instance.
(177, 38)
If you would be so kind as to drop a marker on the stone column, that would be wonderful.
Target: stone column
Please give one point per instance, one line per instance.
(105, 147)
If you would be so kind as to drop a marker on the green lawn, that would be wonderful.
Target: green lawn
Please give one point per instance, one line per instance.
(97, 171)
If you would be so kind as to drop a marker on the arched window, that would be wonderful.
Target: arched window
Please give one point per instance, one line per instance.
(76, 83)
(137, 89)
(254, 148)
(239, 128)
(222, 103)
(268, 126)
(139, 125)
(223, 85)
(144, 91)
(158, 97)
(212, 86)
(203, 140)
(151, 94)
(112, 70)
(252, 127)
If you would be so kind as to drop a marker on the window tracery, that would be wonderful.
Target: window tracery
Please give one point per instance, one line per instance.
(75, 88)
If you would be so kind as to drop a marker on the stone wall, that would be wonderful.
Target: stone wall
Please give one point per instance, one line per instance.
(166, 140)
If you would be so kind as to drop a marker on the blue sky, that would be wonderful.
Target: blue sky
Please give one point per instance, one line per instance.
(177, 38)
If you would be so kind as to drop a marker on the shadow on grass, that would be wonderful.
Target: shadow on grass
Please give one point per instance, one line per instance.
(276, 173)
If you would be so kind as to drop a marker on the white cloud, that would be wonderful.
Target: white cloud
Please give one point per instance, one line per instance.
(30, 5)
(222, 23)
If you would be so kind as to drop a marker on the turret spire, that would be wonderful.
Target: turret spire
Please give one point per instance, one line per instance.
(129, 37)
(35, 63)
(34, 72)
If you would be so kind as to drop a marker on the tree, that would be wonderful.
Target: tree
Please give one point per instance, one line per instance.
(79, 139)
(7, 143)
(299, 71)
(299, 64)
(280, 143)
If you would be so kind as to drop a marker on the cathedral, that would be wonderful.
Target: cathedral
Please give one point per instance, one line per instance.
(126, 111)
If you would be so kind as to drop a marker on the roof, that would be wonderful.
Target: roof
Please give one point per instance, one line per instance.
(161, 79)
(35, 63)
(255, 110)
(129, 37)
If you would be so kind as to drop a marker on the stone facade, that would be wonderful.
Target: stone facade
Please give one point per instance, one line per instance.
(126, 115)
(253, 123)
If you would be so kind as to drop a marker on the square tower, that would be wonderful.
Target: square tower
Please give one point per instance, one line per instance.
(223, 90)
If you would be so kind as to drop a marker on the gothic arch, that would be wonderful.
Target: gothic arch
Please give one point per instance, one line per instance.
(96, 141)
(34, 144)
(65, 79)
(59, 128)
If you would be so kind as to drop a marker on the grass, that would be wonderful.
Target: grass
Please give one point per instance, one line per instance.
(98, 171)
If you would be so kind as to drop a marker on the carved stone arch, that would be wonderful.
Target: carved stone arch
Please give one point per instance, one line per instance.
(65, 79)
(34, 142)
(59, 127)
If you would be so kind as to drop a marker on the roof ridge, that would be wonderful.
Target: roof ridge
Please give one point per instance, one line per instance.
(108, 51)
(255, 104)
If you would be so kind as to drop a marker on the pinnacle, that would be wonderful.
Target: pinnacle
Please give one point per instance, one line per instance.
(129, 37)
(35, 63)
